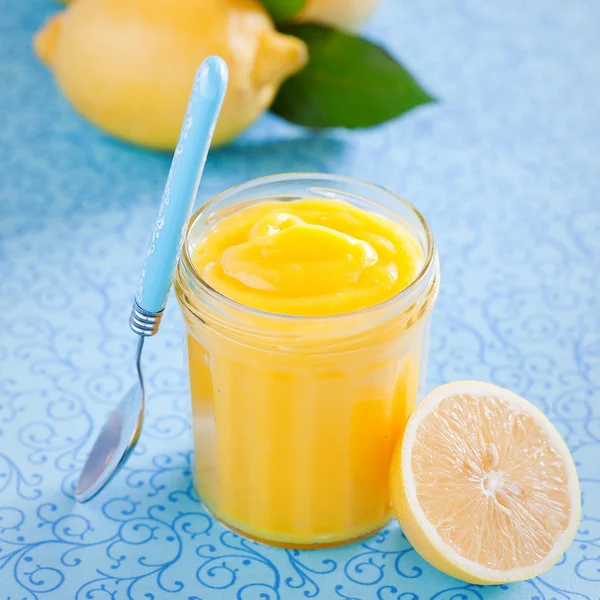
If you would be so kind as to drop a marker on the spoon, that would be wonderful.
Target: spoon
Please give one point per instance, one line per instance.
(121, 431)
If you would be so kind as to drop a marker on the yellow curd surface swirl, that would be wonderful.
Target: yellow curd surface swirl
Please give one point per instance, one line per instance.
(310, 257)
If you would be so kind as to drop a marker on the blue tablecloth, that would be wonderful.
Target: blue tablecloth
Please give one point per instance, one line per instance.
(506, 169)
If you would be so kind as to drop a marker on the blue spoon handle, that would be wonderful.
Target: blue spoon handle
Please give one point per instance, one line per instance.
(179, 194)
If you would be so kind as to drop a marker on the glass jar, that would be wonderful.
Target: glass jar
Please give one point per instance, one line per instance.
(295, 418)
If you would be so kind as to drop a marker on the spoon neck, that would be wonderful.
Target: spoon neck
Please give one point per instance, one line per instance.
(138, 359)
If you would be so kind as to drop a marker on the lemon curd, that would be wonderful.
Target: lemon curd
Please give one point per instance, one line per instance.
(305, 344)
(309, 257)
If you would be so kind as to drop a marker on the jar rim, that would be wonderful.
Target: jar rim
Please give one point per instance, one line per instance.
(428, 263)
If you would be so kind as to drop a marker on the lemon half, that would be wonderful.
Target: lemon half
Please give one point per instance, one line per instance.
(483, 485)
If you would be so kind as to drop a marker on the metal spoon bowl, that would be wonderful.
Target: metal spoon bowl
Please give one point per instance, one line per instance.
(117, 438)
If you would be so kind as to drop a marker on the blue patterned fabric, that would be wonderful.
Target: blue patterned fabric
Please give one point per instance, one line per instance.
(505, 167)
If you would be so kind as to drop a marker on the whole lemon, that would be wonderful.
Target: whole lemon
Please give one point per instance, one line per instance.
(128, 65)
(346, 14)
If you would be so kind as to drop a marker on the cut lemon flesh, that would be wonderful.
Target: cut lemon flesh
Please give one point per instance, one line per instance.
(483, 485)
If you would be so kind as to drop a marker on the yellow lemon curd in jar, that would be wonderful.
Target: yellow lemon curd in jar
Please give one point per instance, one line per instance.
(293, 447)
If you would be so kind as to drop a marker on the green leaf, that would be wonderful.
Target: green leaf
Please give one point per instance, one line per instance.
(281, 10)
(348, 82)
